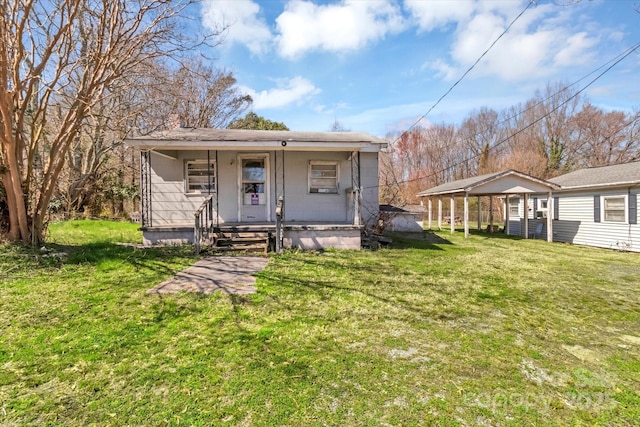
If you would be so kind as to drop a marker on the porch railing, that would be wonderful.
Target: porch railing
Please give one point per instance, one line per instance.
(203, 223)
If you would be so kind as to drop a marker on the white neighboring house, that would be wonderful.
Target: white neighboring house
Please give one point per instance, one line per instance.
(594, 206)
(328, 182)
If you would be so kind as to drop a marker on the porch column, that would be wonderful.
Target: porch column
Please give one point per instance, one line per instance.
(526, 215)
(479, 215)
(452, 209)
(440, 213)
(466, 215)
(550, 211)
(355, 184)
(491, 214)
(145, 189)
(429, 214)
(506, 214)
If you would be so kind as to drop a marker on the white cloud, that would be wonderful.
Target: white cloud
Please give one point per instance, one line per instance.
(576, 50)
(347, 26)
(529, 49)
(287, 92)
(243, 22)
(431, 15)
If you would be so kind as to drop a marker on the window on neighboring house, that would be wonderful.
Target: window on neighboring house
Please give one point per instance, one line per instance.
(200, 176)
(542, 209)
(614, 209)
(514, 203)
(323, 177)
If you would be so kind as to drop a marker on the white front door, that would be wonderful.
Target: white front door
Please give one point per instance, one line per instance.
(253, 187)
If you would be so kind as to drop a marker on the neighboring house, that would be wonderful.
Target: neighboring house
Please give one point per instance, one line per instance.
(403, 218)
(594, 206)
(327, 182)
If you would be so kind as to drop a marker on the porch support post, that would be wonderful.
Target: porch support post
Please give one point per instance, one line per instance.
(526, 215)
(466, 215)
(506, 214)
(355, 185)
(145, 188)
(491, 214)
(479, 215)
(452, 209)
(279, 197)
(550, 211)
(440, 213)
(429, 214)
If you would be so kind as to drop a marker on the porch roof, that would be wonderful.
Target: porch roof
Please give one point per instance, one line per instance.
(505, 182)
(242, 139)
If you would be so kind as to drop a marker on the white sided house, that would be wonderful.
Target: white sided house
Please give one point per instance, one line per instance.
(310, 190)
(594, 206)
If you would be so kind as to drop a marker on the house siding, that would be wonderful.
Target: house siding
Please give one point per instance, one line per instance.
(577, 220)
(577, 223)
(169, 203)
(171, 206)
(370, 188)
(300, 205)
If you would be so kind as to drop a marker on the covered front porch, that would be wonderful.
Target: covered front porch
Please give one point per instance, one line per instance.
(304, 190)
(506, 185)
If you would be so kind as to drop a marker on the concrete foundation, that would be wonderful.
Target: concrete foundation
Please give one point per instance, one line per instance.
(301, 236)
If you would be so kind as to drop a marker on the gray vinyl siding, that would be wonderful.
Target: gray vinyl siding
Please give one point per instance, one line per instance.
(171, 205)
(300, 205)
(576, 224)
(369, 181)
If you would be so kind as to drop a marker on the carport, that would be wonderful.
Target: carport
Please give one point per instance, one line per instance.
(506, 183)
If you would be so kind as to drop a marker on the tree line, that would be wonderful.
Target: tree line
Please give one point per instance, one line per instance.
(556, 131)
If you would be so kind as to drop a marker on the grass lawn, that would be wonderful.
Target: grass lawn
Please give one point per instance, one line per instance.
(436, 331)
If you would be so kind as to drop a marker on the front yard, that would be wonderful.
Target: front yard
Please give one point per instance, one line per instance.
(436, 331)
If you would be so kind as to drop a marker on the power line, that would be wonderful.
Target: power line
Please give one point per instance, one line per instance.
(613, 62)
(422, 117)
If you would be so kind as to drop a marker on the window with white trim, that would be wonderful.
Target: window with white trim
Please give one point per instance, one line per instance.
(323, 177)
(514, 203)
(200, 176)
(614, 208)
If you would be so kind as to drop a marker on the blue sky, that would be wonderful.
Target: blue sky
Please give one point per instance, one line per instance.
(378, 65)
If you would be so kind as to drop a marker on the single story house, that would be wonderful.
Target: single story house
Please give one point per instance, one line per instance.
(595, 206)
(322, 187)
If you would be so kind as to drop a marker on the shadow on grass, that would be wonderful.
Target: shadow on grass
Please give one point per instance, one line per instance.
(107, 255)
(417, 240)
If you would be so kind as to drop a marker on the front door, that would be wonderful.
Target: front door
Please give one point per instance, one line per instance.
(253, 185)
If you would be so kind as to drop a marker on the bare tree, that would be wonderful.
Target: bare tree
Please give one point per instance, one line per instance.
(64, 54)
(202, 96)
(481, 133)
(606, 138)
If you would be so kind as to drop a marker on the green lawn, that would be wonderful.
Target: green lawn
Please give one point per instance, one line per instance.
(436, 331)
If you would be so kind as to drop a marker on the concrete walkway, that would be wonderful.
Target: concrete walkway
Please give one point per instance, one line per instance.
(228, 274)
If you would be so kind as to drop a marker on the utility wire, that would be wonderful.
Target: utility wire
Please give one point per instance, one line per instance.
(466, 72)
(612, 63)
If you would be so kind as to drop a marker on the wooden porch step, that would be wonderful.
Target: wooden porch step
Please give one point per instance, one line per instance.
(240, 241)
(243, 234)
(260, 247)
